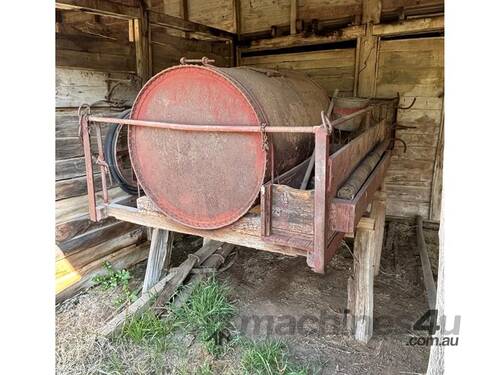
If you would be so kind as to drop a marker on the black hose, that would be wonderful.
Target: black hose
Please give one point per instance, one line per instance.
(110, 155)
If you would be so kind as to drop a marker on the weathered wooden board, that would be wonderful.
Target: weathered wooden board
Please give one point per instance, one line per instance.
(76, 86)
(73, 208)
(76, 280)
(95, 60)
(415, 69)
(95, 237)
(333, 69)
(81, 258)
(77, 186)
(260, 15)
(167, 50)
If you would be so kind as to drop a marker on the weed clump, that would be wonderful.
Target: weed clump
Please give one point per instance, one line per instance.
(268, 357)
(208, 311)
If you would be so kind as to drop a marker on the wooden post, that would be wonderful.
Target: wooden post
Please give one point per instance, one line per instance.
(360, 284)
(237, 31)
(160, 250)
(378, 214)
(371, 11)
(316, 258)
(430, 285)
(185, 15)
(293, 17)
(367, 69)
(141, 26)
(437, 174)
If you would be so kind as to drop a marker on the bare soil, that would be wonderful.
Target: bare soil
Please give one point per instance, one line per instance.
(277, 289)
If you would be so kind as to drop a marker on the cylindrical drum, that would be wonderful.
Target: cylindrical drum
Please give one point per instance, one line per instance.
(347, 106)
(210, 179)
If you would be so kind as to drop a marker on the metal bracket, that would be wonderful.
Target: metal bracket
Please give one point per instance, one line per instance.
(204, 61)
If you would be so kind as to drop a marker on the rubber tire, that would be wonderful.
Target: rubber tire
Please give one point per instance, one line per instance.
(109, 154)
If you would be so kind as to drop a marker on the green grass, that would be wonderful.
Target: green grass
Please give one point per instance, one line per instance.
(204, 369)
(268, 358)
(148, 329)
(207, 313)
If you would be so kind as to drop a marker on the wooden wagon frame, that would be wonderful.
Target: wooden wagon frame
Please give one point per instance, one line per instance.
(288, 220)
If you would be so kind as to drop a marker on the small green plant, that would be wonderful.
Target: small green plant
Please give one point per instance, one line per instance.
(268, 357)
(148, 329)
(112, 278)
(208, 311)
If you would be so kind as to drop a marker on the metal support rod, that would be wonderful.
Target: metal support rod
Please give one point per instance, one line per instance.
(206, 128)
(102, 164)
(84, 127)
(225, 128)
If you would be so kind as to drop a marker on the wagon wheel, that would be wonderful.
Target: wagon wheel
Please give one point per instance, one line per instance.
(117, 156)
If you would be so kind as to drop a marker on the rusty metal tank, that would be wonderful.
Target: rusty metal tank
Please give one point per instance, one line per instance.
(209, 180)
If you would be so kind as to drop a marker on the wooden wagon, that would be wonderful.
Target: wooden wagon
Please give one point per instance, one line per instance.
(289, 220)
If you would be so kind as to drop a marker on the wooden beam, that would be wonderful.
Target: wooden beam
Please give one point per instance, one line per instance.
(368, 58)
(245, 232)
(378, 213)
(142, 48)
(347, 33)
(437, 174)
(430, 285)
(100, 7)
(160, 250)
(165, 20)
(421, 25)
(371, 11)
(237, 17)
(360, 286)
(293, 17)
(185, 14)
(166, 287)
(136, 308)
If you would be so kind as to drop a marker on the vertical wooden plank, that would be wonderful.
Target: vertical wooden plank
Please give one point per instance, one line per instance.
(293, 17)
(356, 66)
(185, 15)
(141, 32)
(371, 11)
(360, 286)
(157, 254)
(430, 285)
(170, 247)
(437, 174)
(378, 214)
(316, 259)
(368, 56)
(237, 17)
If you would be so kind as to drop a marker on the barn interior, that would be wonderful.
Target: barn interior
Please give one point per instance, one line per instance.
(391, 51)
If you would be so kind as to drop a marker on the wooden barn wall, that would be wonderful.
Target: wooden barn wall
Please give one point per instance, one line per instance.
(81, 245)
(415, 69)
(168, 49)
(259, 15)
(95, 64)
(332, 69)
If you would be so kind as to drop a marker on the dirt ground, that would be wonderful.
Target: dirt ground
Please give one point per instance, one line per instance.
(290, 302)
